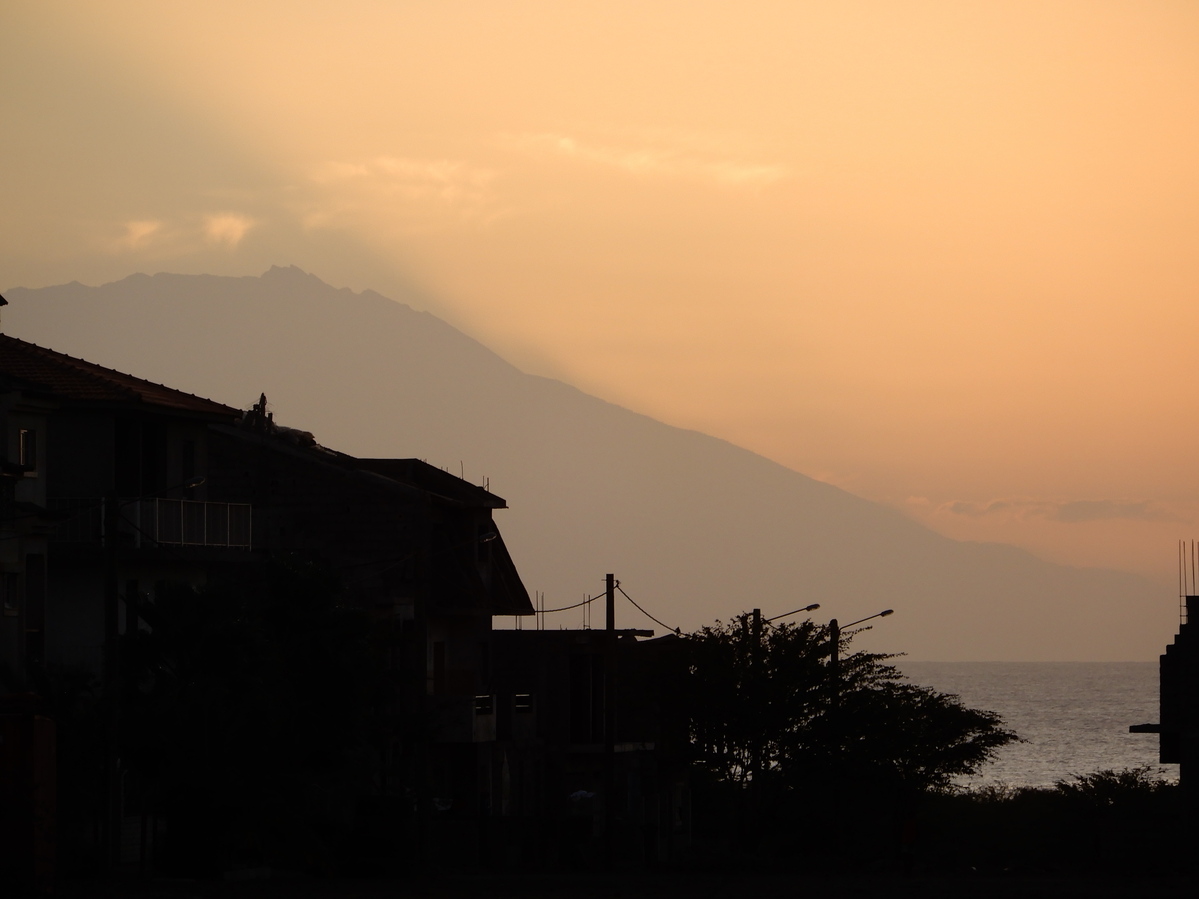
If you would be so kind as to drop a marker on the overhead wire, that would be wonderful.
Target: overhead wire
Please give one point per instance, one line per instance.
(673, 630)
(589, 599)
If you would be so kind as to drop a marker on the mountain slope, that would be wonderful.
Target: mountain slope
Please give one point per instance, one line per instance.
(694, 527)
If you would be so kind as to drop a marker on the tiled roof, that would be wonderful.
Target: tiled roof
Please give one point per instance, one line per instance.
(29, 367)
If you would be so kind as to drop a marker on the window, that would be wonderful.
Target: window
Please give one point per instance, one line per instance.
(523, 702)
(484, 704)
(27, 450)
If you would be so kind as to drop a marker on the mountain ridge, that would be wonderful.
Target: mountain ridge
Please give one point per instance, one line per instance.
(697, 527)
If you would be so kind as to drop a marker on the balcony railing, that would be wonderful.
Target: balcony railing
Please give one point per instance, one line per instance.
(185, 522)
(158, 522)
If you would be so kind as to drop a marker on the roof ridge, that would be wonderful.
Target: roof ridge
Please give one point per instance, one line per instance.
(95, 372)
(82, 369)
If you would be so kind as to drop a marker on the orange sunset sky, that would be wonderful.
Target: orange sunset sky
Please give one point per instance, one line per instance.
(942, 254)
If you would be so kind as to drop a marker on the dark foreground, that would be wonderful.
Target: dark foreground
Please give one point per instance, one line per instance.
(651, 886)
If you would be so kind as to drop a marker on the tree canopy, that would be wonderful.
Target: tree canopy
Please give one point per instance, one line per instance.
(771, 708)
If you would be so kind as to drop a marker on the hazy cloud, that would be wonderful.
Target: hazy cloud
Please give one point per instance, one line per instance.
(139, 233)
(1070, 512)
(414, 193)
(227, 228)
(649, 161)
(451, 181)
(977, 510)
(1105, 509)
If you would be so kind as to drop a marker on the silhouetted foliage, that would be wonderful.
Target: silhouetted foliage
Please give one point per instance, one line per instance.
(244, 711)
(773, 710)
(794, 755)
(1130, 821)
(1109, 788)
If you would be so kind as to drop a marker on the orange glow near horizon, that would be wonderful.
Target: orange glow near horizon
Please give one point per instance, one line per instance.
(941, 254)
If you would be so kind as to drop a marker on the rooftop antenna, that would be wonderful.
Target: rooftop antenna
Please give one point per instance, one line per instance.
(1181, 588)
(1185, 589)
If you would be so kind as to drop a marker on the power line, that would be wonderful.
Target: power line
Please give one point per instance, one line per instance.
(589, 599)
(673, 630)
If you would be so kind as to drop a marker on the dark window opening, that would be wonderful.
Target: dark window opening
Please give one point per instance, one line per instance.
(27, 450)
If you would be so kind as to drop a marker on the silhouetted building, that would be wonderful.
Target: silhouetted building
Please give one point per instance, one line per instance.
(103, 461)
(1179, 700)
(564, 780)
(507, 748)
(76, 437)
(113, 487)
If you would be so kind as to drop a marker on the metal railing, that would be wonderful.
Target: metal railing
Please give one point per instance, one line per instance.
(186, 522)
(158, 522)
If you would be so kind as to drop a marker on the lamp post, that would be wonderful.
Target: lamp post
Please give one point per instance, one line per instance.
(754, 675)
(834, 673)
(812, 608)
(755, 656)
(834, 636)
(834, 663)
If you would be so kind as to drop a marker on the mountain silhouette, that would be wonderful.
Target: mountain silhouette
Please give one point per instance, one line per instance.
(694, 527)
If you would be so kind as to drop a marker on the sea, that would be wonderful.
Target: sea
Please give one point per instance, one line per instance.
(1072, 716)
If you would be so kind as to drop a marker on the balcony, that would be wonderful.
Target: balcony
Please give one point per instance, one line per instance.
(157, 522)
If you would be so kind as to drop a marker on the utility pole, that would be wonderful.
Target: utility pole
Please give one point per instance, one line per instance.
(834, 711)
(834, 660)
(610, 722)
(610, 603)
(756, 685)
(834, 675)
(755, 680)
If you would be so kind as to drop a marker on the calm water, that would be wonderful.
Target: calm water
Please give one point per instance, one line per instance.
(1074, 715)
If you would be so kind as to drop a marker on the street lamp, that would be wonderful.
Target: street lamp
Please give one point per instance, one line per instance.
(755, 651)
(834, 711)
(834, 636)
(812, 608)
(759, 620)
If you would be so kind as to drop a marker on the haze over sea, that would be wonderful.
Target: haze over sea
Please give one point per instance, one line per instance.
(1073, 716)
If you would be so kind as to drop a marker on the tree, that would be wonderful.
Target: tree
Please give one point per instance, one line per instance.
(767, 709)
